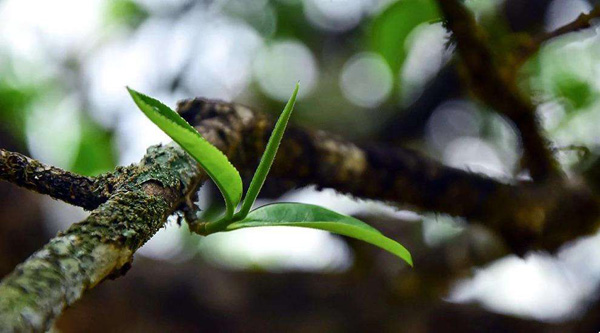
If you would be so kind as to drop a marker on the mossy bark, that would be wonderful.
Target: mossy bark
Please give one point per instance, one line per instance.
(102, 245)
(78, 190)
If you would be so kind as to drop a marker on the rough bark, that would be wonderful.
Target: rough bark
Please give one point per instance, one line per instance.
(527, 214)
(493, 83)
(71, 188)
(102, 245)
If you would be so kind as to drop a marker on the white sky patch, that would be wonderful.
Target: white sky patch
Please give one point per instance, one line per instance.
(59, 216)
(438, 229)
(168, 244)
(277, 249)
(159, 6)
(221, 57)
(214, 54)
(147, 61)
(146, 134)
(538, 286)
(343, 204)
(562, 12)
(475, 155)
(37, 28)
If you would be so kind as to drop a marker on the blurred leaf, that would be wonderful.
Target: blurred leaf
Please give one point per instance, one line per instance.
(292, 25)
(316, 217)
(126, 12)
(390, 29)
(212, 160)
(576, 91)
(563, 70)
(96, 154)
(13, 103)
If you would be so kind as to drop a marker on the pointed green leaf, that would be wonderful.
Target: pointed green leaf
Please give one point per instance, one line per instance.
(316, 217)
(268, 156)
(212, 160)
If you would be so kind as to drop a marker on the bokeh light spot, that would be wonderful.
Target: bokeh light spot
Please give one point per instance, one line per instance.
(280, 65)
(366, 80)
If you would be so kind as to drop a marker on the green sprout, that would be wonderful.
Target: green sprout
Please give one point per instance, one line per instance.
(228, 180)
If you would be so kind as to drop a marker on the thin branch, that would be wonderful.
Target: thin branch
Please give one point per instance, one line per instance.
(71, 188)
(497, 88)
(583, 21)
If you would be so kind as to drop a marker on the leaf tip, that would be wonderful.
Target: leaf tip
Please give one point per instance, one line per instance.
(132, 92)
(409, 260)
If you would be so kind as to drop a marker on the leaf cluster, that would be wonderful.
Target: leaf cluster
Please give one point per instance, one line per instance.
(229, 182)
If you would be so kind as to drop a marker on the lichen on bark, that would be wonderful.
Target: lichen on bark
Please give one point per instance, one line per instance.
(101, 245)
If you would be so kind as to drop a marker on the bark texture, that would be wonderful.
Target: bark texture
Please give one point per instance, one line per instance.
(71, 188)
(102, 245)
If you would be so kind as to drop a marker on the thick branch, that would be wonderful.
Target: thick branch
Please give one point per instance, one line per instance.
(102, 245)
(498, 89)
(526, 215)
(71, 188)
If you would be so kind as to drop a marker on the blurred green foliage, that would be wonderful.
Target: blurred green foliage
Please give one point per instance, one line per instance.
(125, 12)
(13, 102)
(576, 92)
(562, 72)
(389, 30)
(96, 150)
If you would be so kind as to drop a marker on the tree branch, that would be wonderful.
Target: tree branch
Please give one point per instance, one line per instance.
(527, 215)
(583, 21)
(146, 194)
(102, 245)
(71, 188)
(496, 87)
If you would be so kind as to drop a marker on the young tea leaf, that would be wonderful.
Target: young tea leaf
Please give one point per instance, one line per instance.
(316, 217)
(212, 160)
(268, 156)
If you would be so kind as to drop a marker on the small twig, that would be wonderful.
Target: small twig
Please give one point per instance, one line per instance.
(496, 87)
(583, 21)
(63, 185)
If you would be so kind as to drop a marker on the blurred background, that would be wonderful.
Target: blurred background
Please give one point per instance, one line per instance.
(373, 71)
